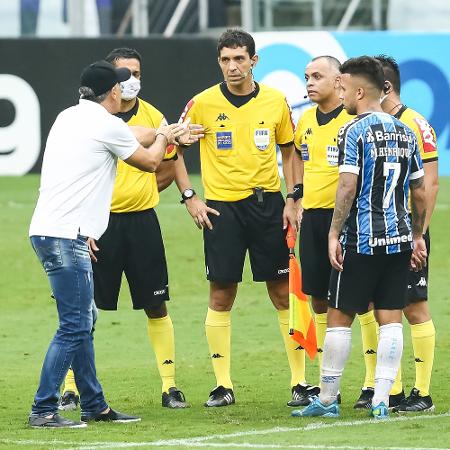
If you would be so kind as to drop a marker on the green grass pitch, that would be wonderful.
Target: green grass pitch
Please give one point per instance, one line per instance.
(127, 369)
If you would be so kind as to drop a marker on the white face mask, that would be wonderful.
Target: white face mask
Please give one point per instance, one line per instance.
(130, 88)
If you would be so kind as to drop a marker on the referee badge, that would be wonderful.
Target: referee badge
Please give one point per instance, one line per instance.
(332, 155)
(261, 138)
(224, 140)
(304, 151)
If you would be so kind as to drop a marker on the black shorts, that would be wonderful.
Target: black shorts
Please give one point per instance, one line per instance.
(379, 278)
(247, 225)
(313, 251)
(418, 281)
(132, 244)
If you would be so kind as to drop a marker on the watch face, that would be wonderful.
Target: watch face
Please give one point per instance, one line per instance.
(188, 193)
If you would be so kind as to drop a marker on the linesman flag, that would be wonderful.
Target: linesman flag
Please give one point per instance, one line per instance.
(301, 324)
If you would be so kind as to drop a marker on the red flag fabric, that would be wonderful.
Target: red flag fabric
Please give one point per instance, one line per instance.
(301, 323)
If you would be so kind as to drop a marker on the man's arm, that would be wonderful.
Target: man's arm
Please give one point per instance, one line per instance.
(298, 167)
(165, 174)
(345, 196)
(196, 207)
(290, 211)
(145, 136)
(431, 181)
(419, 214)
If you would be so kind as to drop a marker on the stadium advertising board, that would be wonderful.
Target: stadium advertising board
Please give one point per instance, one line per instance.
(424, 66)
(39, 78)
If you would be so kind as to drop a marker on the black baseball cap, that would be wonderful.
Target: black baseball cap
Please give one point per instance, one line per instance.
(101, 76)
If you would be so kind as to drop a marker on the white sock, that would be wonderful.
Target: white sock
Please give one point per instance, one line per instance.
(336, 349)
(389, 355)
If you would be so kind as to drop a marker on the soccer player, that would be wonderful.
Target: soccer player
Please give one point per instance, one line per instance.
(416, 311)
(133, 244)
(371, 235)
(244, 210)
(77, 180)
(316, 163)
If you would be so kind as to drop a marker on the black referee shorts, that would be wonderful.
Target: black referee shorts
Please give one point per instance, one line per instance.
(382, 279)
(248, 224)
(418, 281)
(313, 251)
(132, 244)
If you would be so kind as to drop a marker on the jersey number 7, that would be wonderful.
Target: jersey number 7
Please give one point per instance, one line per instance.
(387, 167)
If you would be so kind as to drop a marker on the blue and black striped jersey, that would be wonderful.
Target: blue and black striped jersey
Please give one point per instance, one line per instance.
(383, 152)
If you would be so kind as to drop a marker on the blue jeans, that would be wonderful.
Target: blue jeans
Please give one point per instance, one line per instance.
(69, 270)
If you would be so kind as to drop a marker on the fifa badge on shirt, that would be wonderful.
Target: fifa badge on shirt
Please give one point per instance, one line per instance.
(304, 151)
(261, 138)
(332, 155)
(224, 140)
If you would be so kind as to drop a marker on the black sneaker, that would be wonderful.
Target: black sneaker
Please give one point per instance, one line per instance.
(396, 400)
(302, 394)
(415, 403)
(68, 401)
(365, 399)
(111, 416)
(220, 396)
(174, 399)
(54, 421)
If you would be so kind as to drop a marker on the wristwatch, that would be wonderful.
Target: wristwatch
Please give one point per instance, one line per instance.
(187, 194)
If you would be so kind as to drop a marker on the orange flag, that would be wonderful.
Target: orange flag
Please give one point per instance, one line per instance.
(301, 323)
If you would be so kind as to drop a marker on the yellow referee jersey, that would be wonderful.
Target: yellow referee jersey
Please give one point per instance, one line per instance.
(135, 190)
(426, 136)
(318, 147)
(238, 152)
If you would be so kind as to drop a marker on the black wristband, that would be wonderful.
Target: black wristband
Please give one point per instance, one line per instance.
(298, 192)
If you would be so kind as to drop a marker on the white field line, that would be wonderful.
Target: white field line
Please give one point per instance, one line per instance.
(204, 441)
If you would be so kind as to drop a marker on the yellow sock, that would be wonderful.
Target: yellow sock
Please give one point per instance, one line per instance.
(321, 331)
(69, 383)
(369, 335)
(423, 341)
(218, 334)
(162, 339)
(295, 353)
(397, 387)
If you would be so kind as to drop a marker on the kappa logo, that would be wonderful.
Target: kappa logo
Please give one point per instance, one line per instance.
(370, 352)
(160, 292)
(222, 116)
(168, 361)
(216, 355)
(299, 348)
(418, 360)
(281, 271)
(422, 282)
(308, 132)
(319, 350)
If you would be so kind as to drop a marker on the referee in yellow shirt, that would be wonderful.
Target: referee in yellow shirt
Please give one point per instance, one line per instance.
(243, 121)
(316, 165)
(423, 334)
(133, 244)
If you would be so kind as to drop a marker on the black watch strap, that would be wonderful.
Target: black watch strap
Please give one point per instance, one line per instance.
(187, 194)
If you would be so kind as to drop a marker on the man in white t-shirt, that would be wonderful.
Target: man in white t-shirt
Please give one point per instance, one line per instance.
(78, 172)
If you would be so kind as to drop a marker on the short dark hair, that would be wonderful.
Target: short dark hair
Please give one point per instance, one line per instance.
(123, 53)
(331, 60)
(391, 71)
(233, 38)
(366, 67)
